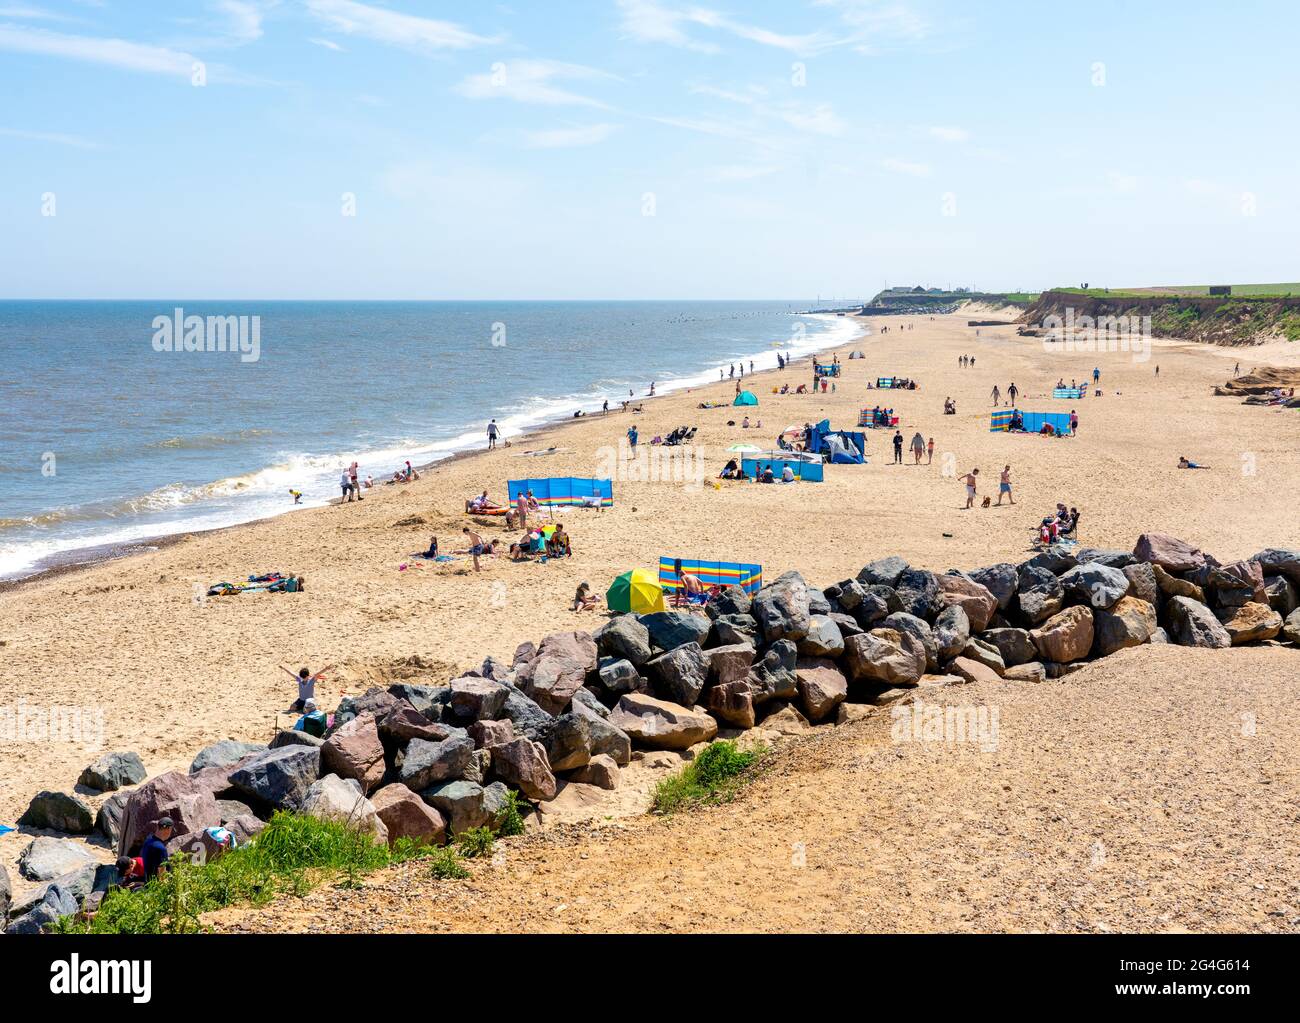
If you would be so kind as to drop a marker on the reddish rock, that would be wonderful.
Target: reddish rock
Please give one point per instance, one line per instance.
(488, 734)
(822, 686)
(972, 670)
(1066, 636)
(733, 702)
(523, 764)
(659, 724)
(600, 771)
(977, 601)
(354, 751)
(406, 815)
(1251, 623)
(1168, 552)
(187, 802)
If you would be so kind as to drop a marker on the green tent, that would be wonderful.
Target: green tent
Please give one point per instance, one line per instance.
(745, 398)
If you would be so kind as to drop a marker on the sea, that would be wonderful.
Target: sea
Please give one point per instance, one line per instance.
(116, 429)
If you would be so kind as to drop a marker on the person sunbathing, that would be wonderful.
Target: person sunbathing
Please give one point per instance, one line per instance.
(1183, 463)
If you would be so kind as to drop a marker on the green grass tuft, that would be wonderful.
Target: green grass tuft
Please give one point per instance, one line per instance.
(714, 776)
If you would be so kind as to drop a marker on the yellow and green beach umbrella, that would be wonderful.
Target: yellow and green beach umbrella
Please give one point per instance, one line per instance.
(635, 592)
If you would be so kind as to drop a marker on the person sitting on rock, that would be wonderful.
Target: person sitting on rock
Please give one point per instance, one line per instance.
(313, 721)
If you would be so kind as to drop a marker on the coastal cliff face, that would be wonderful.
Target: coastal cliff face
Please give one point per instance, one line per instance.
(1219, 320)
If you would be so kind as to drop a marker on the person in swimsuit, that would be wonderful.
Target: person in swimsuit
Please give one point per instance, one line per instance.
(1004, 485)
(476, 546)
(971, 479)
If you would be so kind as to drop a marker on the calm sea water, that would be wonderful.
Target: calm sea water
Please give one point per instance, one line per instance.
(105, 440)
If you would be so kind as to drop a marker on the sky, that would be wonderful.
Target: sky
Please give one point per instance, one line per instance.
(640, 149)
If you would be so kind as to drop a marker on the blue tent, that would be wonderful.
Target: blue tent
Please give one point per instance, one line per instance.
(849, 451)
(745, 398)
(564, 492)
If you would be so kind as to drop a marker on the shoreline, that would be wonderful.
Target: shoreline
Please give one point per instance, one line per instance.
(79, 559)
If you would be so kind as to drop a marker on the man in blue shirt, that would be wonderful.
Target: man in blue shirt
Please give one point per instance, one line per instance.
(154, 850)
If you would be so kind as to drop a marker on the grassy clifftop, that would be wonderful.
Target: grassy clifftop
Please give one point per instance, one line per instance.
(1237, 319)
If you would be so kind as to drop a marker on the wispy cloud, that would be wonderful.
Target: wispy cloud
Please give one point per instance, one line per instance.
(946, 133)
(393, 28)
(118, 53)
(54, 138)
(651, 22)
(533, 81)
(865, 25)
(243, 18)
(569, 138)
(24, 12)
(329, 44)
(741, 172)
(876, 25)
(909, 167)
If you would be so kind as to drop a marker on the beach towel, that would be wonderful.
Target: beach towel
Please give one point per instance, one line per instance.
(4, 830)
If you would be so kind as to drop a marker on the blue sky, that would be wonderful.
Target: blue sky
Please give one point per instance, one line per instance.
(785, 149)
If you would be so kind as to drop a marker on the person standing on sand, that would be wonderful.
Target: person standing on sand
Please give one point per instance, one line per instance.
(356, 483)
(632, 438)
(476, 546)
(1004, 485)
(918, 447)
(1074, 421)
(493, 432)
(604, 409)
(898, 447)
(1011, 393)
(997, 395)
(345, 481)
(929, 458)
(521, 510)
(1096, 374)
(971, 479)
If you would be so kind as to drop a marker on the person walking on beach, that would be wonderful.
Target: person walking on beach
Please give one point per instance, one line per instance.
(476, 546)
(929, 457)
(898, 447)
(345, 481)
(604, 409)
(997, 395)
(631, 438)
(971, 479)
(972, 362)
(1011, 393)
(1074, 421)
(493, 432)
(733, 371)
(918, 447)
(751, 365)
(652, 388)
(1096, 374)
(356, 483)
(1004, 485)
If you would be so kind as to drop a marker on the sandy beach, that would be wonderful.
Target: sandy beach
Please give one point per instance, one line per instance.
(171, 673)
